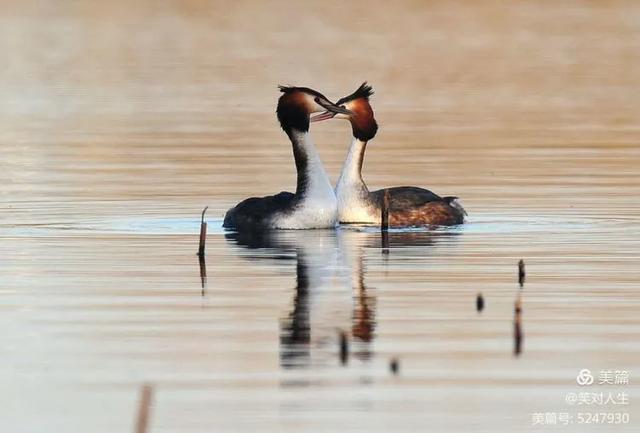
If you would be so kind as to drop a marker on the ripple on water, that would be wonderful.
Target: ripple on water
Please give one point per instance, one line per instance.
(481, 223)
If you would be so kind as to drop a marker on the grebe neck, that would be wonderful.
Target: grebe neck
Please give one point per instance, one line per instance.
(313, 181)
(351, 174)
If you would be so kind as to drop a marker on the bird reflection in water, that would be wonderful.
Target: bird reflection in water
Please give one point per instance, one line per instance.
(327, 262)
(295, 329)
(352, 247)
(355, 243)
(315, 255)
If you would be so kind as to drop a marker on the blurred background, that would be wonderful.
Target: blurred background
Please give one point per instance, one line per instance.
(156, 92)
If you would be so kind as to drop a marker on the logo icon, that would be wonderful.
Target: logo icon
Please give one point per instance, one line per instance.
(585, 377)
(571, 398)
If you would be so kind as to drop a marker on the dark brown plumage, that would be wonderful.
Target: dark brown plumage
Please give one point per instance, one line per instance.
(413, 206)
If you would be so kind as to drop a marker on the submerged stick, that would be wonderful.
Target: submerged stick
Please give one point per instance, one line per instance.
(203, 234)
(517, 338)
(517, 327)
(384, 222)
(144, 409)
(521, 273)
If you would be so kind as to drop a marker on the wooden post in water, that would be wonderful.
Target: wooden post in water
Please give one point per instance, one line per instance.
(521, 273)
(384, 222)
(144, 409)
(203, 234)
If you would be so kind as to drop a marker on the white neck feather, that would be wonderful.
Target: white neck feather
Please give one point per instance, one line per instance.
(317, 207)
(318, 183)
(351, 192)
(351, 174)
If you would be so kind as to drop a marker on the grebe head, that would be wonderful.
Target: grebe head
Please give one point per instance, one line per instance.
(297, 103)
(363, 123)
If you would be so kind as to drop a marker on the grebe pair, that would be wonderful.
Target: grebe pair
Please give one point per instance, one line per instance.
(315, 203)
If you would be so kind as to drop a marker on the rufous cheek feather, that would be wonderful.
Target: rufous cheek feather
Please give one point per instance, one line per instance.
(363, 123)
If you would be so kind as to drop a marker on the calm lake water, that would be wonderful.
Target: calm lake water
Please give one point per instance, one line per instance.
(120, 122)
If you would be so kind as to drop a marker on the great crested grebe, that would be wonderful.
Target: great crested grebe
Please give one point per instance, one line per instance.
(314, 203)
(408, 205)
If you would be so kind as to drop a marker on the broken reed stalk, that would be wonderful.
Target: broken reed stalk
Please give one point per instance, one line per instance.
(479, 302)
(203, 234)
(344, 348)
(385, 242)
(144, 409)
(203, 273)
(521, 273)
(384, 222)
(394, 366)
